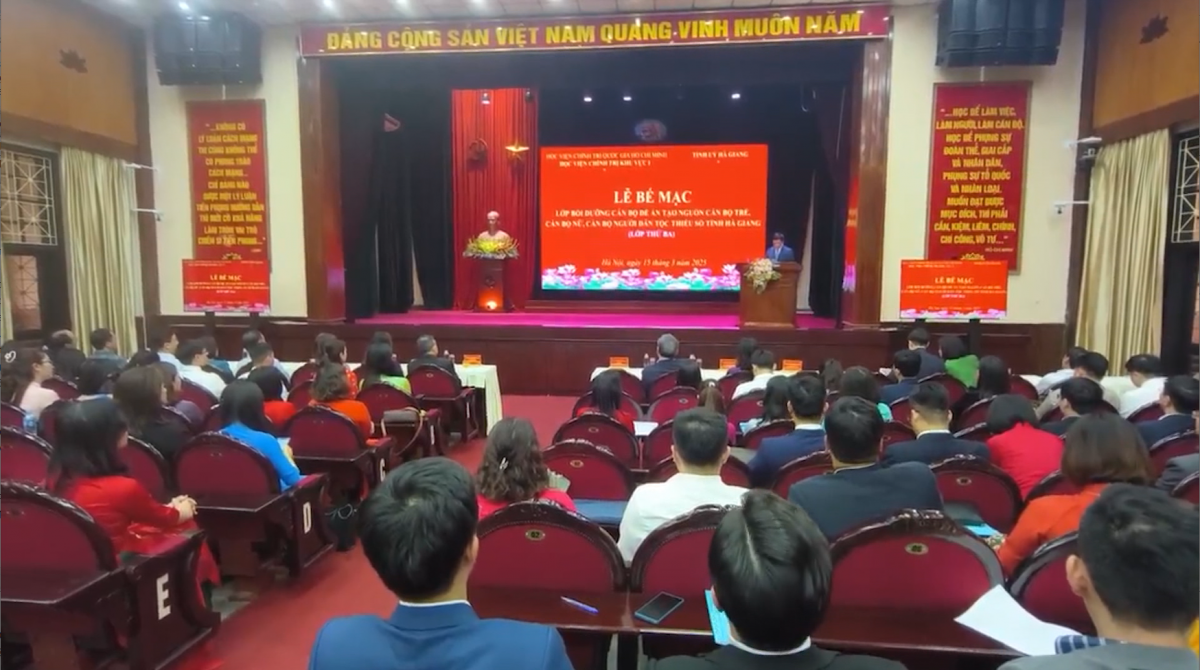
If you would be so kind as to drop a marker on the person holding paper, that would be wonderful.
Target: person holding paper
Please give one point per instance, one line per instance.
(1136, 569)
(771, 575)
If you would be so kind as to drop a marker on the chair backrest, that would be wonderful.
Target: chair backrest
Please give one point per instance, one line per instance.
(1188, 489)
(602, 431)
(594, 472)
(657, 445)
(972, 481)
(171, 415)
(433, 382)
(973, 415)
(1053, 484)
(305, 373)
(148, 467)
(672, 402)
(749, 406)
(12, 416)
(1147, 412)
(977, 433)
(660, 386)
(48, 421)
(629, 405)
(46, 534)
(894, 431)
(954, 388)
(1055, 414)
(632, 386)
(1180, 444)
(212, 420)
(729, 383)
(216, 465)
(541, 546)
(812, 465)
(670, 559)
(1022, 387)
(66, 390)
(901, 411)
(754, 437)
(196, 393)
(380, 398)
(733, 472)
(318, 431)
(921, 562)
(1039, 583)
(301, 395)
(24, 457)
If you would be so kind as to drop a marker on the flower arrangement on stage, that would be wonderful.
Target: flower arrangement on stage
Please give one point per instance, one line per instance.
(760, 273)
(492, 249)
(568, 278)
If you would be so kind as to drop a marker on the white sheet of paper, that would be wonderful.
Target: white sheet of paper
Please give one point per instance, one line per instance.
(643, 428)
(1001, 618)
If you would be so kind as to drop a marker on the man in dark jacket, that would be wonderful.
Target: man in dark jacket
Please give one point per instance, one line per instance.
(931, 421)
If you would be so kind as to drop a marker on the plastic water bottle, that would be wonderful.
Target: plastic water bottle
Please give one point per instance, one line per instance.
(30, 424)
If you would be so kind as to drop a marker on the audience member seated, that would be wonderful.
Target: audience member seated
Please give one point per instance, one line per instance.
(689, 375)
(1145, 371)
(1178, 469)
(512, 470)
(906, 368)
(86, 469)
(1136, 570)
(418, 533)
(331, 389)
(193, 356)
(763, 364)
(931, 364)
(259, 355)
(273, 385)
(1070, 362)
(427, 354)
(831, 371)
(95, 379)
(1078, 396)
(860, 489)
(1017, 447)
(163, 344)
(250, 338)
(174, 383)
(1089, 365)
(699, 450)
(774, 404)
(930, 420)
(745, 349)
(668, 361)
(66, 356)
(21, 379)
(334, 353)
(806, 405)
(242, 418)
(1179, 400)
(991, 379)
(859, 382)
(216, 364)
(771, 576)
(141, 394)
(606, 398)
(960, 362)
(1100, 449)
(143, 358)
(104, 348)
(710, 398)
(380, 367)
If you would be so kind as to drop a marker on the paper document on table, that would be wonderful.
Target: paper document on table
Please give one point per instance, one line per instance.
(717, 619)
(1001, 618)
(643, 428)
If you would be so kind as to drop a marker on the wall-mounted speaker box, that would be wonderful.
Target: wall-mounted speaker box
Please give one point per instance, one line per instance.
(221, 48)
(976, 33)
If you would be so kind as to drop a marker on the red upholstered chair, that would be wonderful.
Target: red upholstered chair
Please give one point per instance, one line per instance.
(894, 431)
(1188, 489)
(901, 411)
(301, 395)
(977, 433)
(62, 579)
(541, 546)
(197, 394)
(172, 415)
(305, 373)
(629, 405)
(920, 562)
(383, 398)
(1040, 584)
(1053, 484)
(954, 388)
(973, 415)
(667, 559)
(603, 431)
(1022, 387)
(594, 472)
(973, 482)
(12, 416)
(812, 465)
(48, 421)
(240, 504)
(1147, 412)
(661, 386)
(632, 386)
(65, 389)
(762, 431)
(733, 472)
(729, 383)
(749, 406)
(212, 420)
(672, 402)
(438, 389)
(149, 468)
(1167, 448)
(325, 441)
(1055, 414)
(24, 457)
(657, 445)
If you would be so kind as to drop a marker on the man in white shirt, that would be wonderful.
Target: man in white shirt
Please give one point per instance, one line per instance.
(699, 450)
(1145, 371)
(762, 362)
(194, 356)
(164, 344)
(1090, 365)
(1070, 361)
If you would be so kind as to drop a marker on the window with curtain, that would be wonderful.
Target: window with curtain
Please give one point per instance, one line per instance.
(1181, 287)
(34, 258)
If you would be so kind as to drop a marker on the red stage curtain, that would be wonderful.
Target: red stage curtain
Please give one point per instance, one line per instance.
(500, 180)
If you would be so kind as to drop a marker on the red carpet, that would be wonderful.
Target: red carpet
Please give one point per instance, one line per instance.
(546, 412)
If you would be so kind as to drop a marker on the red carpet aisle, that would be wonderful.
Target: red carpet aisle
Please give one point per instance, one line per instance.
(546, 412)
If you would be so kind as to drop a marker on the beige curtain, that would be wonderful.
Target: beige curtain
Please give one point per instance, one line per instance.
(101, 231)
(1120, 303)
(6, 306)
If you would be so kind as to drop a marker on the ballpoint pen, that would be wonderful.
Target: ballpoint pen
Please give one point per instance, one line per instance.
(581, 606)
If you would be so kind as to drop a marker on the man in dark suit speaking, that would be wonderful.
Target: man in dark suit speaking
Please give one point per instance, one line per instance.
(780, 252)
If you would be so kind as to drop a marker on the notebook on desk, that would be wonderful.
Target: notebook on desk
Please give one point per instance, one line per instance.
(717, 620)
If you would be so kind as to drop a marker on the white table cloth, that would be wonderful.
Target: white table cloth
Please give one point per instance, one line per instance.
(637, 372)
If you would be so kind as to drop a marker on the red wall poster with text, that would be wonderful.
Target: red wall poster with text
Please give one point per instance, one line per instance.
(227, 151)
(226, 286)
(977, 171)
(953, 289)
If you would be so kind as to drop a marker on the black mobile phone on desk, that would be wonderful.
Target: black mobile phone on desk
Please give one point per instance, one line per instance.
(658, 608)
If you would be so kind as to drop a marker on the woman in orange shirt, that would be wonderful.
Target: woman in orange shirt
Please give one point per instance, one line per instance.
(332, 390)
(1099, 449)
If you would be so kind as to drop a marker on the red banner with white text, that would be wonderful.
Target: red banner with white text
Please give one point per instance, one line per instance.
(226, 286)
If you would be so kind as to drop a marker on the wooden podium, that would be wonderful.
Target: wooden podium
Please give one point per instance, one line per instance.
(490, 295)
(775, 307)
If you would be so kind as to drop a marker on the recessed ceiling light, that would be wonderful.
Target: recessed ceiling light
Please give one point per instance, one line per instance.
(183, 7)
(587, 98)
(329, 4)
(735, 95)
(627, 98)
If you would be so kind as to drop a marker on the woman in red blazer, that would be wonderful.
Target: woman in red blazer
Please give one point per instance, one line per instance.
(606, 399)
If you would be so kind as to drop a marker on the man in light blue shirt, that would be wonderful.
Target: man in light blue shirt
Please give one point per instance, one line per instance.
(164, 344)
(251, 338)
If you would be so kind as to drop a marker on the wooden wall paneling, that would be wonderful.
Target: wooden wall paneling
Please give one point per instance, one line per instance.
(320, 151)
(1027, 348)
(144, 179)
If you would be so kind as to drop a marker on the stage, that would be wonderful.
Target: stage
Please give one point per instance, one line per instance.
(627, 320)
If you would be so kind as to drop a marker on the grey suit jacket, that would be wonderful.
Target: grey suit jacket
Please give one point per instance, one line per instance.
(1178, 468)
(1111, 657)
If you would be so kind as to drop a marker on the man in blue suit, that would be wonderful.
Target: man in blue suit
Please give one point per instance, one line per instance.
(780, 252)
(806, 404)
(1180, 399)
(418, 532)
